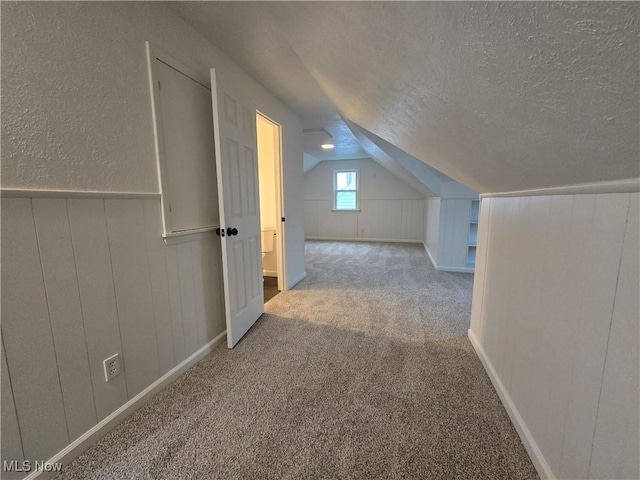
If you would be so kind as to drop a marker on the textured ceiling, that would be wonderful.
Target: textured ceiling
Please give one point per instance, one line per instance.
(248, 34)
(498, 96)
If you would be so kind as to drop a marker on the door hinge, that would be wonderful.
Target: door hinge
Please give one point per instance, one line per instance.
(283, 219)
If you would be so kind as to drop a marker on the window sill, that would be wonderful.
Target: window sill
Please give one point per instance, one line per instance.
(345, 210)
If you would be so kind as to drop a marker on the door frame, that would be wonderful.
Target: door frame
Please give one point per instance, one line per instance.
(280, 209)
(154, 53)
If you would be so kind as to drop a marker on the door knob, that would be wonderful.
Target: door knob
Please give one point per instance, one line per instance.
(232, 231)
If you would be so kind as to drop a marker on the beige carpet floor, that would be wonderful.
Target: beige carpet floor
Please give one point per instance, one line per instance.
(363, 371)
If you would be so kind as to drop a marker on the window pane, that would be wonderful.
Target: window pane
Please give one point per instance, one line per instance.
(345, 200)
(346, 181)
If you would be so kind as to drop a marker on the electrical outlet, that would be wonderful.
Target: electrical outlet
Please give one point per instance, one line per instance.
(112, 367)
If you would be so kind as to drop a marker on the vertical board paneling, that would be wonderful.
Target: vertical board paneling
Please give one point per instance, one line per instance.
(213, 288)
(511, 277)
(495, 287)
(567, 304)
(159, 284)
(97, 296)
(599, 286)
(518, 210)
(554, 320)
(392, 219)
(412, 219)
(187, 298)
(380, 219)
(547, 321)
(11, 443)
(454, 230)
(526, 377)
(520, 329)
(128, 245)
(199, 294)
(65, 312)
(175, 301)
(479, 282)
(615, 444)
(26, 330)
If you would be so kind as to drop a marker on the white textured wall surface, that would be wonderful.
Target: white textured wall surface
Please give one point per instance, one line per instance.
(389, 208)
(556, 319)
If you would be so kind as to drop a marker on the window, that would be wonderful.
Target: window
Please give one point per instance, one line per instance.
(345, 189)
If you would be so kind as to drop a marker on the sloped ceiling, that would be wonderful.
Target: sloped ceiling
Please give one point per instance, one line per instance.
(498, 96)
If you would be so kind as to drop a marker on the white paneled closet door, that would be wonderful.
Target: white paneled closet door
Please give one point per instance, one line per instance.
(237, 167)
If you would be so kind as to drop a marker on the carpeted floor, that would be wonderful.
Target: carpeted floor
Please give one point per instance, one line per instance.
(363, 371)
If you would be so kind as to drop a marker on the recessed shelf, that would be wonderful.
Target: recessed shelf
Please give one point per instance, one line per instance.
(472, 238)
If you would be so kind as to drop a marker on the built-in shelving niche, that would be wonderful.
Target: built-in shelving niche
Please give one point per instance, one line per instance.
(472, 239)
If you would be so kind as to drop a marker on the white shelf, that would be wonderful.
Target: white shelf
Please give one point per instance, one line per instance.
(472, 239)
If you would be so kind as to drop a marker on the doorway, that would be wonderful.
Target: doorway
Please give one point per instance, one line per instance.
(269, 136)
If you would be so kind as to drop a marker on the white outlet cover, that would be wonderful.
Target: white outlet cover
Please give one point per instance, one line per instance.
(112, 367)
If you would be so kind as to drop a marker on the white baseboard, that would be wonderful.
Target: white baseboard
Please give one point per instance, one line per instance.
(269, 273)
(352, 239)
(91, 437)
(455, 269)
(297, 280)
(521, 427)
(433, 262)
(446, 269)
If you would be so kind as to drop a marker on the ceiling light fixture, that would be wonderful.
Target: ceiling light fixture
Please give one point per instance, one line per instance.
(326, 144)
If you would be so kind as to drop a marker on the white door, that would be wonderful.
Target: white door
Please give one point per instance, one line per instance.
(237, 167)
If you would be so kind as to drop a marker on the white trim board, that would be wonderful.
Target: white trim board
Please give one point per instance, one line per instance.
(89, 438)
(433, 262)
(297, 280)
(521, 427)
(187, 236)
(352, 239)
(39, 193)
(447, 269)
(269, 273)
(617, 186)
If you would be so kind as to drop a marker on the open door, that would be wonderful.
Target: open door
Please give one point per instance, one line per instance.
(237, 169)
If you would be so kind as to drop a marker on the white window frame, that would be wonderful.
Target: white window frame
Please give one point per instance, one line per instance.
(335, 190)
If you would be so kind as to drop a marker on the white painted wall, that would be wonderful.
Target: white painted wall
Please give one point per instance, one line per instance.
(389, 208)
(267, 169)
(432, 227)
(555, 320)
(79, 274)
(309, 161)
(88, 124)
(447, 232)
